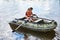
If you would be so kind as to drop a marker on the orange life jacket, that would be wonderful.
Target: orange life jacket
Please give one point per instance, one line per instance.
(28, 14)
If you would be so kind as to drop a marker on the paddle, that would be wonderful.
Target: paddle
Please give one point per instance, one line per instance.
(41, 18)
(19, 26)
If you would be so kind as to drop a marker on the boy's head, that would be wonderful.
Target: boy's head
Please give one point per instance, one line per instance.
(30, 8)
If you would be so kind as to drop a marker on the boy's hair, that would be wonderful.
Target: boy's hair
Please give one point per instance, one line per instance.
(30, 8)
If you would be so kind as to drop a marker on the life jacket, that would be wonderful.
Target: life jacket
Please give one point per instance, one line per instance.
(28, 14)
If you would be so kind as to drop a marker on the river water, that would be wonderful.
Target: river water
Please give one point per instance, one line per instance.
(11, 9)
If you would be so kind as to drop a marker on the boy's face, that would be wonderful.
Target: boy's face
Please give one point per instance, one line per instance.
(30, 10)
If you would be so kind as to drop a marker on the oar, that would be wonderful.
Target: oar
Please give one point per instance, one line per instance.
(17, 27)
(42, 18)
(45, 19)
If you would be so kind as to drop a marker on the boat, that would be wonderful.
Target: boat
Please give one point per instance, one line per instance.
(40, 24)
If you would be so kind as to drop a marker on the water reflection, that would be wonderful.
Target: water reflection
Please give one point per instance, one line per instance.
(57, 33)
(35, 35)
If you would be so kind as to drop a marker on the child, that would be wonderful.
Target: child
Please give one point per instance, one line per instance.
(29, 14)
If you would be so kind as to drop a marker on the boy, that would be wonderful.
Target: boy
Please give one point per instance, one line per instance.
(29, 14)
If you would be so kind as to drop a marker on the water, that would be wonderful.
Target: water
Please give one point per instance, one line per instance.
(11, 9)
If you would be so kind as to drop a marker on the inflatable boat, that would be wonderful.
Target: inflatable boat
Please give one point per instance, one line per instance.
(40, 24)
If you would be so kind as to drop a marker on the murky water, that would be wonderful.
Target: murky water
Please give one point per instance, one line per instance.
(11, 9)
(7, 34)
